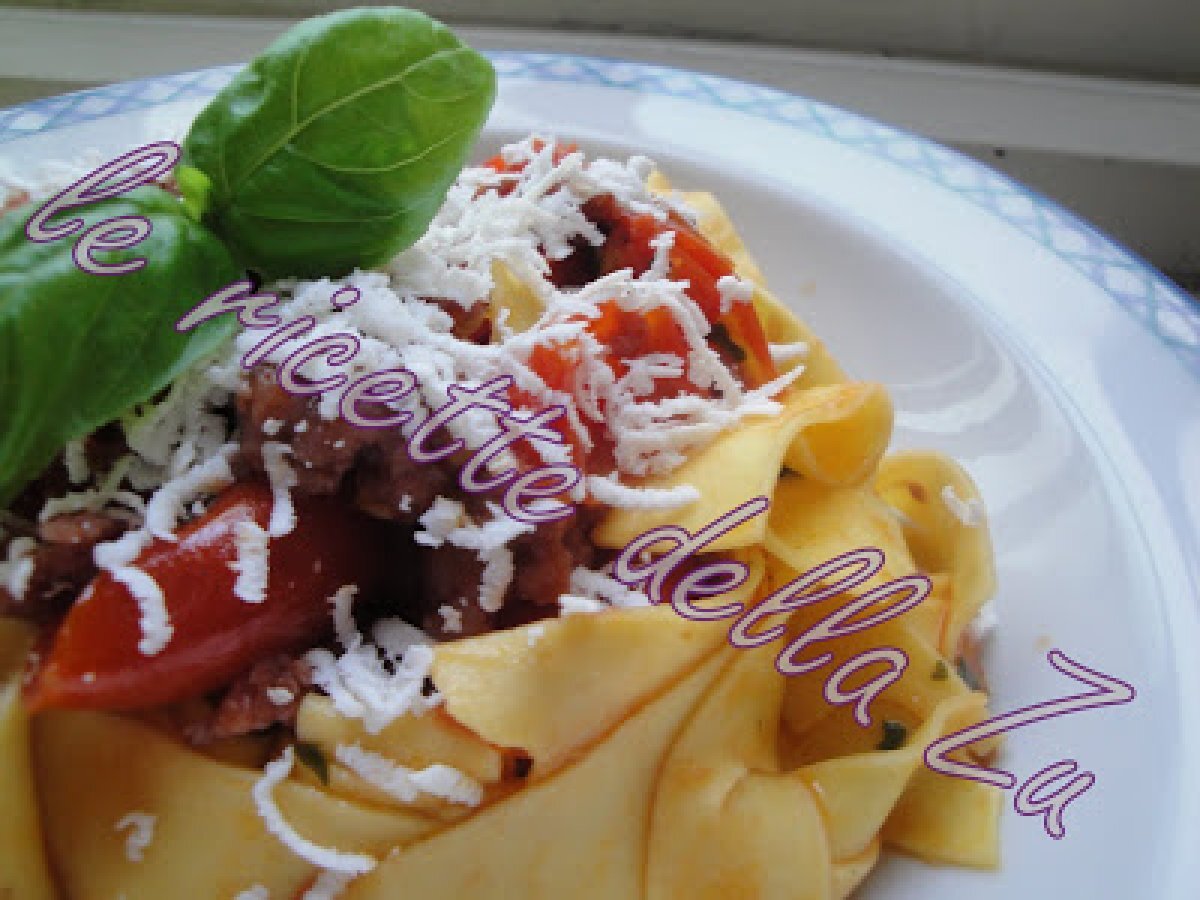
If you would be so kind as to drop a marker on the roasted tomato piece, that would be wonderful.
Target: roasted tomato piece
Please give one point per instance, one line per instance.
(694, 260)
(93, 660)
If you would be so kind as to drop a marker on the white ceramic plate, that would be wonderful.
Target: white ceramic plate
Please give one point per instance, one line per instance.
(1063, 372)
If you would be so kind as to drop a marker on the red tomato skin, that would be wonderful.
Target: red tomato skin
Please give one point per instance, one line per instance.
(93, 661)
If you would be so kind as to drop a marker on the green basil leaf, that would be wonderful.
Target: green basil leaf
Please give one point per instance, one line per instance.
(78, 350)
(335, 147)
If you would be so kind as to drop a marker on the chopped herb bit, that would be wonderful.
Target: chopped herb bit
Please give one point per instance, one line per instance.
(719, 335)
(940, 671)
(311, 756)
(970, 679)
(522, 765)
(894, 735)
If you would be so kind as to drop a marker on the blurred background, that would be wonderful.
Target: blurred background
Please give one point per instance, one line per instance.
(1095, 103)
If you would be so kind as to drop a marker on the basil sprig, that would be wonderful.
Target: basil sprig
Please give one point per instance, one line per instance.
(78, 350)
(332, 150)
(336, 146)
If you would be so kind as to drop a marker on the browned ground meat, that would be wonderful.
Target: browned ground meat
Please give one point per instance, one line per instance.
(62, 565)
(322, 453)
(545, 558)
(543, 561)
(374, 465)
(390, 485)
(326, 452)
(247, 705)
(449, 576)
(474, 324)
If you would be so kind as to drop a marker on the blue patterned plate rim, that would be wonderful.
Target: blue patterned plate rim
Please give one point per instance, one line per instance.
(1155, 302)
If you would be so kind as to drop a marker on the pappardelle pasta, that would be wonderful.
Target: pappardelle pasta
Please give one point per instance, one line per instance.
(360, 679)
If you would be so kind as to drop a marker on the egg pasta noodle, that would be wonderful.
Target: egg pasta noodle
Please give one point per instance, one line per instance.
(652, 750)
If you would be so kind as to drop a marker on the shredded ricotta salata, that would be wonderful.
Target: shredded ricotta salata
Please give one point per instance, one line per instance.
(140, 827)
(969, 512)
(405, 784)
(275, 773)
(377, 681)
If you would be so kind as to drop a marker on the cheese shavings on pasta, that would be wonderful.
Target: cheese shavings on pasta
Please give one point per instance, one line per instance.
(273, 775)
(328, 886)
(375, 682)
(406, 784)
(140, 826)
(609, 491)
(969, 512)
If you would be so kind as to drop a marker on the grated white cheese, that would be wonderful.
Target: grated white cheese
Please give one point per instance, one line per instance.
(969, 512)
(984, 623)
(573, 604)
(902, 517)
(167, 505)
(140, 826)
(153, 619)
(273, 775)
(115, 558)
(341, 607)
(439, 521)
(328, 885)
(446, 522)
(283, 479)
(122, 551)
(271, 427)
(185, 429)
(782, 354)
(280, 696)
(405, 504)
(611, 492)
(254, 892)
(17, 569)
(361, 687)
(603, 588)
(498, 571)
(405, 784)
(451, 619)
(534, 633)
(75, 460)
(660, 266)
(378, 682)
(734, 290)
(251, 565)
